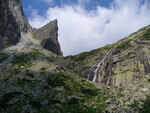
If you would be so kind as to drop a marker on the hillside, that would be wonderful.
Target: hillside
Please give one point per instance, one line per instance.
(36, 78)
(120, 63)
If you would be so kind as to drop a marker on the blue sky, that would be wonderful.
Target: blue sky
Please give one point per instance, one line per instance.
(85, 25)
(43, 6)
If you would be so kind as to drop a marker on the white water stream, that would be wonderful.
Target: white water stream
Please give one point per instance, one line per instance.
(99, 65)
(96, 70)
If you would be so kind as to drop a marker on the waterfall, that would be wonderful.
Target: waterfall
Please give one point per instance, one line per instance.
(96, 70)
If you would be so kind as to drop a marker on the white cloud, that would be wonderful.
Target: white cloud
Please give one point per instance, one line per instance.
(81, 30)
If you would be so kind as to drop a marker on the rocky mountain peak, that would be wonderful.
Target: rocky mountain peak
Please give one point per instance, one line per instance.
(14, 25)
(47, 35)
(111, 79)
(12, 22)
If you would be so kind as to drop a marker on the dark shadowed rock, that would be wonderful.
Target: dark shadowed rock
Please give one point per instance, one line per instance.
(12, 22)
(47, 35)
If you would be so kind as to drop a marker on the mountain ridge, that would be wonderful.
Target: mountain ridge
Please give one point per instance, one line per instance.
(36, 78)
(117, 48)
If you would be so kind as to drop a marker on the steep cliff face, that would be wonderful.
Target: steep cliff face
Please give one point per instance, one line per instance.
(12, 22)
(121, 63)
(14, 26)
(47, 35)
(130, 60)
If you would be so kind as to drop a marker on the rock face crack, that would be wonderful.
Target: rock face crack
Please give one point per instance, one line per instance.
(143, 56)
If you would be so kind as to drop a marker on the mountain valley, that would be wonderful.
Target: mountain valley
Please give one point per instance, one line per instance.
(36, 78)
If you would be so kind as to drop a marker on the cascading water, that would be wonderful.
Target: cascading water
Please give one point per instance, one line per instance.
(95, 71)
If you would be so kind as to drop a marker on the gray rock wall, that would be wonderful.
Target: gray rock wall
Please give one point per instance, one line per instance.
(47, 35)
(12, 22)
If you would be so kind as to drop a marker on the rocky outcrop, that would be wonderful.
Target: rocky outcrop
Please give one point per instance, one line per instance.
(13, 24)
(47, 35)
